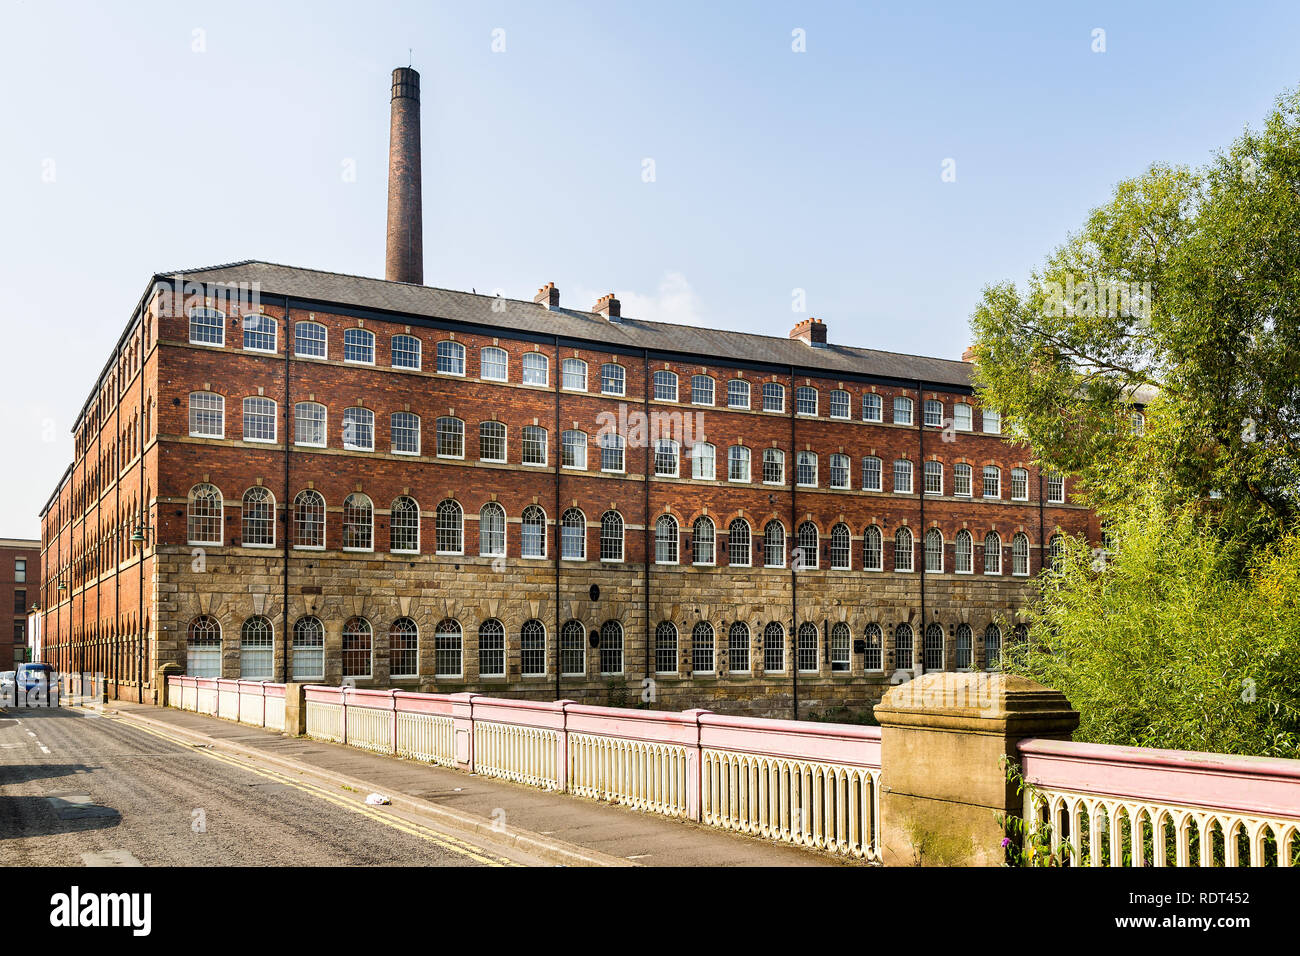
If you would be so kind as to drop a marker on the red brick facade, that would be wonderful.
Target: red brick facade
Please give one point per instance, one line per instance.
(114, 606)
(20, 586)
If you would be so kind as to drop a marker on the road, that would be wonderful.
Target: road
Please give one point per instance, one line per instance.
(90, 790)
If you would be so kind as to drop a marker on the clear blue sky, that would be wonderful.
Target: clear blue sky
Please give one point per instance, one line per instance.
(774, 170)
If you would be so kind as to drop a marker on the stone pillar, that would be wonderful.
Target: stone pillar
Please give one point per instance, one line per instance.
(943, 737)
(295, 710)
(160, 684)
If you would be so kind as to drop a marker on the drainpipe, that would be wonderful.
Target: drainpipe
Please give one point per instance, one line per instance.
(918, 666)
(140, 655)
(645, 520)
(794, 575)
(555, 515)
(286, 528)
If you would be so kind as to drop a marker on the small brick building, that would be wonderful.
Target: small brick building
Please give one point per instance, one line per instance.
(331, 477)
(20, 584)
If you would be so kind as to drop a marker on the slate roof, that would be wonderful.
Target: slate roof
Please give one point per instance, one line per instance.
(531, 317)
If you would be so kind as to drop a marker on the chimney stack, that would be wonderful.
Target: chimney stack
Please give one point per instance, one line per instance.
(969, 354)
(810, 332)
(548, 296)
(609, 307)
(404, 251)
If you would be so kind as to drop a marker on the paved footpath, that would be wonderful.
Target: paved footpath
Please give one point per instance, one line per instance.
(521, 821)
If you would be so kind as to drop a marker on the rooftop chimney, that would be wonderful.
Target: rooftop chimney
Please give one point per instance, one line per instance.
(404, 252)
(609, 307)
(810, 332)
(969, 354)
(548, 296)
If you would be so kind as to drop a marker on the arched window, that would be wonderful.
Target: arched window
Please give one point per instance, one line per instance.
(611, 648)
(666, 458)
(841, 647)
(666, 648)
(903, 647)
(738, 393)
(309, 424)
(205, 513)
(961, 480)
(573, 375)
(573, 449)
(492, 441)
(358, 523)
(532, 648)
(840, 403)
(493, 364)
(774, 647)
(260, 333)
(491, 649)
(992, 553)
(903, 549)
(203, 648)
(701, 390)
(532, 532)
(404, 648)
(934, 550)
(309, 340)
(259, 419)
(451, 437)
(805, 400)
(308, 654)
(873, 658)
(573, 644)
(447, 649)
(808, 644)
(738, 463)
(1020, 554)
(534, 366)
(773, 397)
(534, 448)
(406, 351)
(1056, 548)
(872, 407)
(773, 466)
(450, 527)
(704, 461)
(611, 452)
(961, 417)
(613, 379)
(871, 474)
(963, 552)
(207, 327)
(933, 477)
(702, 541)
(774, 545)
(451, 358)
(992, 481)
(873, 550)
(806, 469)
(666, 540)
(492, 530)
(933, 650)
(1019, 484)
(933, 413)
(902, 477)
(841, 548)
(404, 526)
(902, 411)
(809, 546)
(404, 431)
(963, 647)
(309, 520)
(573, 535)
(359, 346)
(702, 648)
(839, 471)
(611, 536)
(358, 647)
(738, 648)
(665, 386)
(358, 429)
(739, 554)
(256, 643)
(258, 518)
(993, 646)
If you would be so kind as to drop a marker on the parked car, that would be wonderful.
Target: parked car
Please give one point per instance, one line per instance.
(33, 675)
(8, 685)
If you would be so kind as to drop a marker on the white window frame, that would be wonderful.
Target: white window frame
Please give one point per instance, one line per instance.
(483, 364)
(452, 354)
(210, 315)
(298, 328)
(362, 334)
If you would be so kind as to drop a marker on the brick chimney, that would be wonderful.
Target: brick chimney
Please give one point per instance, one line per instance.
(811, 332)
(548, 296)
(609, 307)
(404, 251)
(969, 354)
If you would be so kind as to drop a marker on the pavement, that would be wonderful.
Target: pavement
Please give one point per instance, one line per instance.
(509, 821)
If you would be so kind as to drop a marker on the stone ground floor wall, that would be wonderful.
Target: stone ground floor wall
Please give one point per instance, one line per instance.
(234, 584)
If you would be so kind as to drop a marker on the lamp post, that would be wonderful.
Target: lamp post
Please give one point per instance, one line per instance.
(139, 540)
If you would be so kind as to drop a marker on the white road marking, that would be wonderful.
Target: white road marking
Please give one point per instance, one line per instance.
(30, 734)
(110, 858)
(44, 749)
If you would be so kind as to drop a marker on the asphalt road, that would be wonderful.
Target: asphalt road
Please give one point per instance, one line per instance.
(88, 790)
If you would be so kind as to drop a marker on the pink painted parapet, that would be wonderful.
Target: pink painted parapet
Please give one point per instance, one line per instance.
(852, 745)
(1258, 786)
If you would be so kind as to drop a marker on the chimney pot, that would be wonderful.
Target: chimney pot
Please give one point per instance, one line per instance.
(969, 354)
(404, 250)
(811, 332)
(608, 306)
(548, 296)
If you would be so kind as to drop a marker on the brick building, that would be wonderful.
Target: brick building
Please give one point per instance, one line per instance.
(293, 474)
(20, 583)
